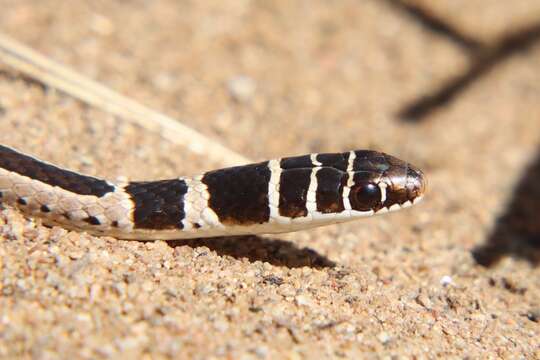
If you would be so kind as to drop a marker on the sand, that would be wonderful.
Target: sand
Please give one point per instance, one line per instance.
(457, 275)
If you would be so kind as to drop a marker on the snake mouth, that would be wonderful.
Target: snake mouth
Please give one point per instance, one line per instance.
(404, 186)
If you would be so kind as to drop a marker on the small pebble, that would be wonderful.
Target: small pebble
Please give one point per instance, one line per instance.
(446, 280)
(241, 88)
(303, 300)
(384, 337)
(534, 315)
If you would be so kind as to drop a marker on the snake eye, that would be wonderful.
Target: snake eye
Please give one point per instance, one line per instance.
(366, 197)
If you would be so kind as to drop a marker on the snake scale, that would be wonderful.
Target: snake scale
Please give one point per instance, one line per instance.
(275, 196)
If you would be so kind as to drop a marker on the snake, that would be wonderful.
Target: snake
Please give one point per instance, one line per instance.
(275, 196)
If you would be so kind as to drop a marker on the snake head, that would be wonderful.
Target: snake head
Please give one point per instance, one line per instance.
(383, 183)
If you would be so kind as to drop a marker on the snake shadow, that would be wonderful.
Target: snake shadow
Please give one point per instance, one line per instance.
(517, 230)
(255, 248)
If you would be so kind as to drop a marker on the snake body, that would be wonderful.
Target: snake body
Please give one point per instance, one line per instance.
(274, 196)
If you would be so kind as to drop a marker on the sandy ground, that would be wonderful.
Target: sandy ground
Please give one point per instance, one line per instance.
(269, 79)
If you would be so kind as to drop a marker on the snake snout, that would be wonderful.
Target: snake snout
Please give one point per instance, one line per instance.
(416, 184)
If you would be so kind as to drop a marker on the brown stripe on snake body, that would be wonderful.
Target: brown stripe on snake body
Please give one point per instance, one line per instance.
(25, 165)
(293, 188)
(330, 183)
(159, 205)
(239, 195)
(335, 160)
(296, 162)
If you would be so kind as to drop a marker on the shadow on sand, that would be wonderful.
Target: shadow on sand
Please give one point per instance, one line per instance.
(517, 231)
(255, 248)
(484, 57)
